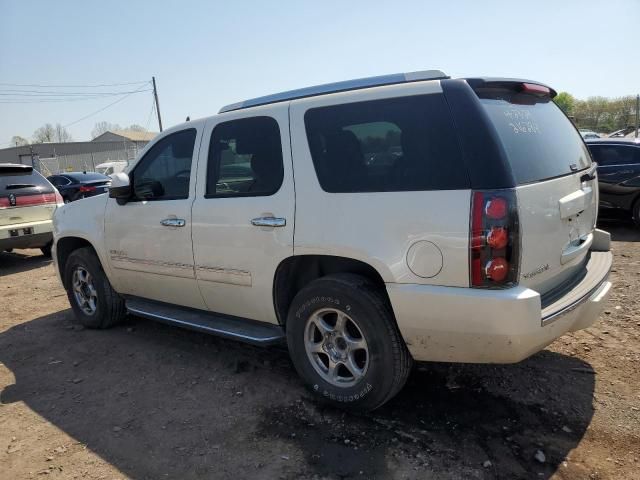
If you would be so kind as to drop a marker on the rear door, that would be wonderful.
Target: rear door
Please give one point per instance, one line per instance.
(556, 183)
(243, 214)
(25, 196)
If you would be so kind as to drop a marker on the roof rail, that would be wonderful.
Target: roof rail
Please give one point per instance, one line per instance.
(337, 87)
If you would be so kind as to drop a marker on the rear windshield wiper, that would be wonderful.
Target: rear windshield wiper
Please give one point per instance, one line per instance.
(15, 186)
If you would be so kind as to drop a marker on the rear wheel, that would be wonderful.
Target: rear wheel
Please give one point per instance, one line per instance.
(95, 303)
(345, 344)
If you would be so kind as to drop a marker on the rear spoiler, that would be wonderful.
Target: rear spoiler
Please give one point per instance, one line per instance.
(15, 168)
(518, 84)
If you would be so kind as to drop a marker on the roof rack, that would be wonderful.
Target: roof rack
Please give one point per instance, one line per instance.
(337, 87)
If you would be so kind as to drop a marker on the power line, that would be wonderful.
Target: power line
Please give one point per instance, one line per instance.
(34, 93)
(103, 108)
(40, 99)
(71, 86)
(153, 107)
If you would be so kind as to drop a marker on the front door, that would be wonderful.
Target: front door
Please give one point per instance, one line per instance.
(148, 239)
(243, 213)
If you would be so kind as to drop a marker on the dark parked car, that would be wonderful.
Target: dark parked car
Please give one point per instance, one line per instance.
(76, 185)
(618, 174)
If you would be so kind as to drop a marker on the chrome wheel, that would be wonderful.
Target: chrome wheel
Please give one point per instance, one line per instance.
(336, 347)
(83, 290)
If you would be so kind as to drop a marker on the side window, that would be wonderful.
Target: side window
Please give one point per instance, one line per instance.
(614, 154)
(245, 158)
(165, 170)
(396, 144)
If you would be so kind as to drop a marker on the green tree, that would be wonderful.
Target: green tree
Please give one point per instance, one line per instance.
(566, 102)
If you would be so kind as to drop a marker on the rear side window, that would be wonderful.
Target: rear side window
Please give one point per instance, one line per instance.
(539, 140)
(396, 144)
(245, 158)
(21, 183)
(615, 154)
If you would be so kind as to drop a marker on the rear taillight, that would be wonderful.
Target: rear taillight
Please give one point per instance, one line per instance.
(29, 200)
(59, 199)
(85, 189)
(494, 239)
(36, 199)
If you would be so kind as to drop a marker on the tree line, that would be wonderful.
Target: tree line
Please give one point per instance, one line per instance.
(600, 114)
(57, 133)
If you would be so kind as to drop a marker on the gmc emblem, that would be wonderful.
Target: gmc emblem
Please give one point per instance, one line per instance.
(12, 200)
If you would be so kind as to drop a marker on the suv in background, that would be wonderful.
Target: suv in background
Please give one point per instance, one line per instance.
(618, 174)
(27, 203)
(367, 223)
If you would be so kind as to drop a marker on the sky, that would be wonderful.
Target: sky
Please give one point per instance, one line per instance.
(206, 54)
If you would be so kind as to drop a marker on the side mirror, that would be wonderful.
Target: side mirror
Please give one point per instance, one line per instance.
(120, 188)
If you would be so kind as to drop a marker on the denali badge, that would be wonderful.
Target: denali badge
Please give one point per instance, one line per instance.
(537, 271)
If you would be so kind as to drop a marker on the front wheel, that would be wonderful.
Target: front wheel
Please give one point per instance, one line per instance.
(345, 344)
(95, 303)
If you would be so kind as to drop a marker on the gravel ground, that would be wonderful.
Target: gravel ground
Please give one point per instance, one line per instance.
(148, 401)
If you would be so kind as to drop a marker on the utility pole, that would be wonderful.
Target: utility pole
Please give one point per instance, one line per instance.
(155, 95)
(637, 114)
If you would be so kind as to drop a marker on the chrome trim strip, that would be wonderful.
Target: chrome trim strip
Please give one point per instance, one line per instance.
(155, 316)
(158, 263)
(224, 275)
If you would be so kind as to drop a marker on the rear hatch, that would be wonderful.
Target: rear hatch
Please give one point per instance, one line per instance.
(556, 185)
(25, 195)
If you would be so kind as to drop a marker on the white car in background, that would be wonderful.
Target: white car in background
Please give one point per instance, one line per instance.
(109, 168)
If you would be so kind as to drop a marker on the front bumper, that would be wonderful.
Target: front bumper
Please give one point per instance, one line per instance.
(41, 236)
(449, 324)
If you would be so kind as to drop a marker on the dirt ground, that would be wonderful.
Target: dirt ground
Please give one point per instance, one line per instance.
(148, 401)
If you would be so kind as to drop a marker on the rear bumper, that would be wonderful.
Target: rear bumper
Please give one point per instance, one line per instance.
(41, 236)
(451, 324)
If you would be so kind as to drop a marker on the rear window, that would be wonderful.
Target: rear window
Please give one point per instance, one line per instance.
(396, 144)
(540, 141)
(20, 183)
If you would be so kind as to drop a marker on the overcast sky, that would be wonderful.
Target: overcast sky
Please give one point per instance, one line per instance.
(205, 54)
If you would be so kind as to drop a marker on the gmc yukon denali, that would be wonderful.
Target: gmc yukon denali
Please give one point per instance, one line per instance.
(366, 224)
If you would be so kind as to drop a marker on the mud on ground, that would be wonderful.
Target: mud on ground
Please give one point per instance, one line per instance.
(148, 401)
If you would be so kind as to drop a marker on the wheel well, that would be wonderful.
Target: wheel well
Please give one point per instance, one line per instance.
(64, 248)
(294, 273)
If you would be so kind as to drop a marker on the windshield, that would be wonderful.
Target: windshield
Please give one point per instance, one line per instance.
(540, 141)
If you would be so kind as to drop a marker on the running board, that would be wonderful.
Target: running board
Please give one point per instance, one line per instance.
(236, 328)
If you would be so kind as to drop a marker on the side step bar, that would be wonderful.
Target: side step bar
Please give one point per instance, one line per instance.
(236, 328)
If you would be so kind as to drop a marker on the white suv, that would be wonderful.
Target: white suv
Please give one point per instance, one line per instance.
(366, 223)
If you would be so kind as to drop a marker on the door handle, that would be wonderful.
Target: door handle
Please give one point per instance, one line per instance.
(268, 222)
(173, 222)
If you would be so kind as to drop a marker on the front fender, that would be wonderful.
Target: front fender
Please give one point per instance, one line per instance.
(83, 220)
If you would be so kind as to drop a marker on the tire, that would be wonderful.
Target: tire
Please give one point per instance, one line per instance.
(382, 366)
(102, 306)
(46, 250)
